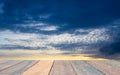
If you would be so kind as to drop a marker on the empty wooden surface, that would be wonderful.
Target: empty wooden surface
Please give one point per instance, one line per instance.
(59, 67)
(40, 68)
(62, 68)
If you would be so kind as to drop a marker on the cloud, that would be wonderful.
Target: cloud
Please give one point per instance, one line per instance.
(15, 38)
(44, 24)
(38, 26)
(16, 35)
(94, 36)
(83, 30)
(48, 28)
(31, 24)
(42, 41)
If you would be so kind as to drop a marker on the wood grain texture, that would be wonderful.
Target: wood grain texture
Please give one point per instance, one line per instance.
(2, 61)
(41, 68)
(84, 68)
(17, 69)
(7, 64)
(59, 67)
(62, 68)
(105, 68)
(115, 64)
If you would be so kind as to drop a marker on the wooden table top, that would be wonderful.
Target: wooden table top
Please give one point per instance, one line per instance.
(59, 67)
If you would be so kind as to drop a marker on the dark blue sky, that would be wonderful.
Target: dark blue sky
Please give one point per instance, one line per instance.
(72, 19)
(73, 13)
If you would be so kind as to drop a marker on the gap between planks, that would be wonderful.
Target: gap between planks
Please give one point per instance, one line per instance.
(10, 65)
(105, 68)
(40, 68)
(61, 67)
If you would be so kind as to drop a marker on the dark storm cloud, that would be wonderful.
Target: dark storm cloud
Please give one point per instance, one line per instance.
(112, 47)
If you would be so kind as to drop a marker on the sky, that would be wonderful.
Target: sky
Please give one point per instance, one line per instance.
(66, 25)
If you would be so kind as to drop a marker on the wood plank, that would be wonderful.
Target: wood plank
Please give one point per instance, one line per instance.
(31, 67)
(62, 68)
(41, 68)
(115, 64)
(106, 69)
(18, 69)
(2, 61)
(84, 68)
(7, 64)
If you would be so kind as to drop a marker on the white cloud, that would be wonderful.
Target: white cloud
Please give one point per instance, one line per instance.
(16, 35)
(32, 24)
(1, 8)
(83, 30)
(48, 28)
(94, 36)
(39, 26)
(46, 41)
